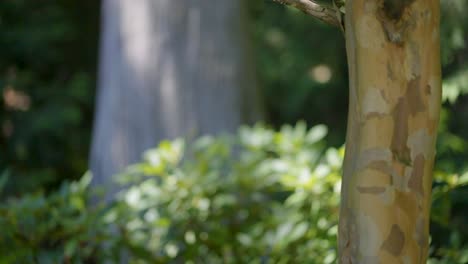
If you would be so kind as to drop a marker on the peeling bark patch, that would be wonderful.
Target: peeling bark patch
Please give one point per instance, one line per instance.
(369, 260)
(388, 197)
(375, 115)
(416, 181)
(371, 236)
(434, 99)
(371, 190)
(400, 150)
(348, 236)
(413, 96)
(410, 104)
(374, 103)
(369, 33)
(382, 166)
(390, 73)
(428, 89)
(372, 155)
(421, 142)
(420, 236)
(415, 59)
(407, 202)
(395, 241)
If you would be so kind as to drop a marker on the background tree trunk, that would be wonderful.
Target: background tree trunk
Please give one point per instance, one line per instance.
(168, 69)
(395, 89)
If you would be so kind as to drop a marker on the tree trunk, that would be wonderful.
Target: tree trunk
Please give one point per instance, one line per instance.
(395, 90)
(168, 69)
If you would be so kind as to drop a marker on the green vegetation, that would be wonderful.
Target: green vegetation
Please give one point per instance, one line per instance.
(259, 197)
(47, 57)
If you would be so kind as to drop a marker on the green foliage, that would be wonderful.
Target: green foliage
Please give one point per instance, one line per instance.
(291, 45)
(50, 229)
(49, 55)
(46, 77)
(263, 197)
(449, 220)
(454, 32)
(454, 29)
(302, 68)
(247, 199)
(456, 254)
(259, 197)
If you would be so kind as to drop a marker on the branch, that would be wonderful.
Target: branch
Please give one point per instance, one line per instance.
(324, 14)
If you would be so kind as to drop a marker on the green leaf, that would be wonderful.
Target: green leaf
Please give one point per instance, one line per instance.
(4, 179)
(70, 248)
(298, 231)
(316, 134)
(244, 239)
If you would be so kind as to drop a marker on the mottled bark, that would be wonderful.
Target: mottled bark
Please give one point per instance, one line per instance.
(395, 89)
(168, 69)
(395, 99)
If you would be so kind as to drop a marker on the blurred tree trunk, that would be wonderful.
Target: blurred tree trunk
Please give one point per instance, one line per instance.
(168, 69)
(395, 89)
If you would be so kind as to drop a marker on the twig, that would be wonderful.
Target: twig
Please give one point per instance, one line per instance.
(324, 14)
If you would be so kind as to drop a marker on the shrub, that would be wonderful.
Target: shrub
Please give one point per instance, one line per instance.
(260, 197)
(265, 197)
(57, 228)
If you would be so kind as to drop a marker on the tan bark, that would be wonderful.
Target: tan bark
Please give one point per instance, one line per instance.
(395, 89)
(395, 98)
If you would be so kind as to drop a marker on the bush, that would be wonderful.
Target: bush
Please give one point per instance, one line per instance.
(259, 197)
(54, 229)
(267, 197)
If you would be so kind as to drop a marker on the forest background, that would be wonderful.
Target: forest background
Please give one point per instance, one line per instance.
(49, 54)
